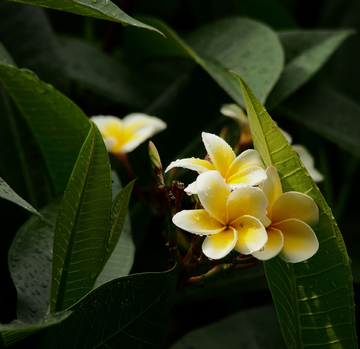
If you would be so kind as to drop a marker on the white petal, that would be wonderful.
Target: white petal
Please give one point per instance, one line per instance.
(138, 121)
(252, 235)
(235, 112)
(192, 164)
(308, 161)
(220, 153)
(272, 247)
(271, 187)
(246, 159)
(100, 120)
(300, 241)
(293, 204)
(246, 201)
(287, 135)
(191, 189)
(213, 193)
(248, 176)
(197, 222)
(219, 245)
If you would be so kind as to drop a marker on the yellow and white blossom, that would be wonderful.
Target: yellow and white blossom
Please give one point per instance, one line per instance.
(230, 220)
(290, 218)
(245, 170)
(124, 135)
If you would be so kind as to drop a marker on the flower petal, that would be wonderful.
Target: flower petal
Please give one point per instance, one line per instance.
(247, 158)
(213, 193)
(135, 122)
(252, 235)
(197, 222)
(271, 187)
(300, 241)
(192, 164)
(246, 201)
(220, 153)
(219, 245)
(112, 131)
(296, 205)
(272, 247)
(252, 175)
(308, 161)
(191, 189)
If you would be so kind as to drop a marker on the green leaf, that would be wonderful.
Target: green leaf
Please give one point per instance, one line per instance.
(18, 330)
(120, 252)
(127, 312)
(30, 263)
(102, 74)
(255, 328)
(59, 126)
(101, 9)
(327, 112)
(233, 43)
(7, 193)
(314, 298)
(82, 227)
(305, 52)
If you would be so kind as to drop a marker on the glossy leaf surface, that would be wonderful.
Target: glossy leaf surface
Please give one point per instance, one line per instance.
(101, 9)
(30, 261)
(305, 53)
(82, 227)
(7, 193)
(58, 125)
(233, 43)
(17, 330)
(314, 298)
(129, 312)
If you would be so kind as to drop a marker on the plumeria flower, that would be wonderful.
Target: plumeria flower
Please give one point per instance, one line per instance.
(230, 220)
(290, 218)
(124, 135)
(245, 170)
(236, 113)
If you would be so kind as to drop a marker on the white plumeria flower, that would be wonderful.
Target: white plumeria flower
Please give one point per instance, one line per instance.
(124, 135)
(290, 218)
(230, 220)
(245, 170)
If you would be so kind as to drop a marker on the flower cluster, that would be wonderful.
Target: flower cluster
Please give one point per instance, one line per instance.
(244, 207)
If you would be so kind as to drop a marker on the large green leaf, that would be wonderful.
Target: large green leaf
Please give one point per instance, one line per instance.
(327, 112)
(120, 252)
(101, 9)
(255, 328)
(30, 261)
(82, 227)
(127, 312)
(305, 52)
(314, 298)
(233, 43)
(59, 126)
(18, 330)
(7, 193)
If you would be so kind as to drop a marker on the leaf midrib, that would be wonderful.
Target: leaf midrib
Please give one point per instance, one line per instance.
(66, 266)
